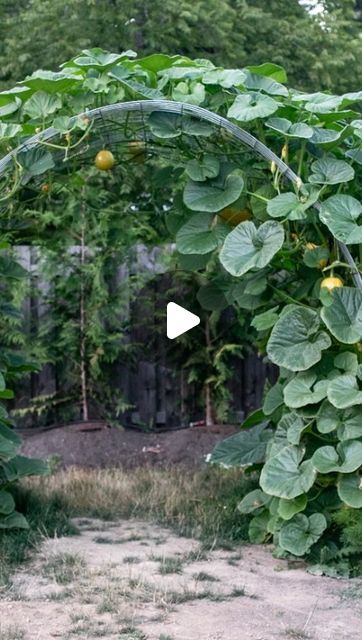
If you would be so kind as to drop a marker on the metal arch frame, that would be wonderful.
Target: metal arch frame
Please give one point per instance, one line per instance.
(181, 108)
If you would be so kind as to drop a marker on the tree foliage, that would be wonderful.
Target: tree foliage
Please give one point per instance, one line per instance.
(319, 50)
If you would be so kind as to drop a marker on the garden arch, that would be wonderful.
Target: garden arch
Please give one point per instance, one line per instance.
(105, 118)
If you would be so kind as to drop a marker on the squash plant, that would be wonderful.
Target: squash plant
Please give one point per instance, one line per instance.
(287, 245)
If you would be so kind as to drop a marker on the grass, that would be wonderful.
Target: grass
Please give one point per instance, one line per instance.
(63, 567)
(202, 576)
(171, 564)
(11, 633)
(200, 503)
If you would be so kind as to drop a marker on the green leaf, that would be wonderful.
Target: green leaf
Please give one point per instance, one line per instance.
(324, 136)
(288, 508)
(299, 534)
(189, 92)
(331, 171)
(212, 195)
(349, 489)
(13, 521)
(313, 257)
(328, 419)
(226, 78)
(7, 502)
(36, 161)
(283, 475)
(258, 528)
(298, 392)
(197, 235)
(344, 316)
(322, 103)
(288, 205)
(269, 70)
(247, 247)
(343, 392)
(207, 167)
(9, 130)
(341, 213)
(8, 448)
(287, 128)
(242, 449)
(20, 467)
(295, 341)
(350, 424)
(345, 458)
(41, 105)
(98, 58)
(273, 399)
(252, 501)
(51, 81)
(265, 320)
(212, 296)
(9, 268)
(249, 106)
(171, 125)
(267, 85)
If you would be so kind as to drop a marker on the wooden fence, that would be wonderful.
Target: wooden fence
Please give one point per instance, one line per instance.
(156, 391)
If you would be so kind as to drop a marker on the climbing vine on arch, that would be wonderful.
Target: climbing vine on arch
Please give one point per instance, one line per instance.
(267, 245)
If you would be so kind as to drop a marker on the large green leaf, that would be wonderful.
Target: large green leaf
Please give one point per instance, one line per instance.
(343, 392)
(267, 85)
(344, 316)
(41, 105)
(98, 58)
(7, 502)
(207, 167)
(198, 235)
(172, 125)
(252, 501)
(350, 424)
(285, 476)
(265, 320)
(14, 520)
(258, 528)
(249, 106)
(248, 247)
(296, 341)
(287, 128)
(331, 171)
(226, 78)
(36, 161)
(243, 449)
(212, 296)
(328, 419)
(288, 508)
(20, 467)
(349, 489)
(345, 458)
(341, 214)
(299, 534)
(212, 195)
(288, 205)
(269, 70)
(303, 389)
(273, 399)
(51, 81)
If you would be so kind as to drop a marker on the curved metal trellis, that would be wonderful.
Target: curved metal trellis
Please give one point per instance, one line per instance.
(103, 116)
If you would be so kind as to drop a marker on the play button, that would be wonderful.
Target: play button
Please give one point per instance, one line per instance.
(179, 320)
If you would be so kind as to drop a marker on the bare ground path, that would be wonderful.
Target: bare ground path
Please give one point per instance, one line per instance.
(132, 580)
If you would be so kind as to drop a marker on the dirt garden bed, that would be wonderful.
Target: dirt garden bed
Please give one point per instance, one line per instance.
(96, 445)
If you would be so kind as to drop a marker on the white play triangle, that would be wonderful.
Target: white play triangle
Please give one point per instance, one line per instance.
(179, 320)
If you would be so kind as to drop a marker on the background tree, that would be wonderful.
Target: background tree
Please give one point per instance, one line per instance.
(229, 32)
